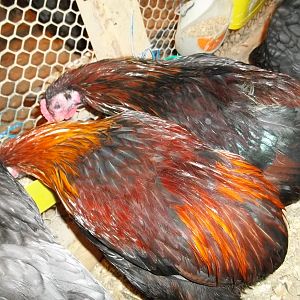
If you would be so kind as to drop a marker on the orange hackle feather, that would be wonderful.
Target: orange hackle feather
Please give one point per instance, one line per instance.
(206, 218)
(51, 151)
(238, 182)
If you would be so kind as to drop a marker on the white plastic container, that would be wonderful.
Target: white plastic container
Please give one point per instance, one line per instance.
(202, 26)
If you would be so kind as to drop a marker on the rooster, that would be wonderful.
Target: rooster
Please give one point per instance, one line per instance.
(281, 47)
(227, 104)
(179, 219)
(32, 265)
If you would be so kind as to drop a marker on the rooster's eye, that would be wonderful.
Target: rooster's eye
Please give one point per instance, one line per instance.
(56, 106)
(68, 95)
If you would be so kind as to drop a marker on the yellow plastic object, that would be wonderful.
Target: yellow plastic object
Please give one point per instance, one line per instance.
(42, 196)
(243, 11)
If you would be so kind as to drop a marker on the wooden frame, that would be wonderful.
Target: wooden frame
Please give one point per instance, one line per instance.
(115, 27)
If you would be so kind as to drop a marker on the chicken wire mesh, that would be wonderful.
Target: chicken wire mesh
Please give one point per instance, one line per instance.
(39, 38)
(160, 21)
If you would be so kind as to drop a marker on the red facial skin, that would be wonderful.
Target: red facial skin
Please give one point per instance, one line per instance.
(60, 107)
(13, 172)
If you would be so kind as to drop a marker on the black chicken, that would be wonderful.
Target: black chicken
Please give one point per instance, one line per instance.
(32, 265)
(280, 51)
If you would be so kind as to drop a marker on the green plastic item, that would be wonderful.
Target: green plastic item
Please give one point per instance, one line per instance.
(171, 57)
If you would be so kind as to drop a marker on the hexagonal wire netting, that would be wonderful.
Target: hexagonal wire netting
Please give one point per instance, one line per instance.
(160, 21)
(39, 38)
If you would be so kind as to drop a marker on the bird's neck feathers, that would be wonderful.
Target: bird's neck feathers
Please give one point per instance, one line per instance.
(128, 82)
(51, 152)
(133, 82)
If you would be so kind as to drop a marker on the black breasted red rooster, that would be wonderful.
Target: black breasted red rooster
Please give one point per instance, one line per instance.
(32, 264)
(227, 104)
(179, 219)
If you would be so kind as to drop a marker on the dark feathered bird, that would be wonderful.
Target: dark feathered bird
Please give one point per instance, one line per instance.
(227, 104)
(280, 50)
(32, 264)
(180, 220)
